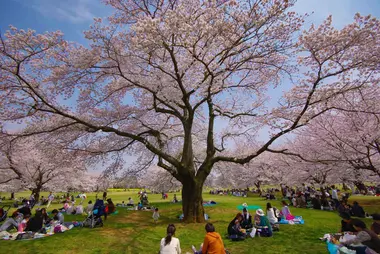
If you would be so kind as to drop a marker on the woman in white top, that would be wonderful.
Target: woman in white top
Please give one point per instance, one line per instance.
(170, 244)
(270, 214)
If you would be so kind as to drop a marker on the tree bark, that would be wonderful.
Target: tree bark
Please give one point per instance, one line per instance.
(258, 186)
(36, 191)
(192, 201)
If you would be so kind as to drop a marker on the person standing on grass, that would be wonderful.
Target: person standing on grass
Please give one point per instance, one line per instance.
(156, 215)
(50, 199)
(105, 196)
(170, 244)
(334, 196)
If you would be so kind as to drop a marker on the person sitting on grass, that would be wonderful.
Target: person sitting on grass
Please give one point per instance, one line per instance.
(246, 223)
(271, 214)
(357, 210)
(285, 212)
(35, 223)
(110, 206)
(212, 244)
(346, 223)
(130, 202)
(238, 230)
(170, 244)
(175, 200)
(90, 207)
(230, 229)
(316, 202)
(10, 222)
(263, 223)
(79, 209)
(70, 210)
(58, 216)
(22, 225)
(375, 227)
(45, 217)
(365, 237)
(25, 210)
(343, 208)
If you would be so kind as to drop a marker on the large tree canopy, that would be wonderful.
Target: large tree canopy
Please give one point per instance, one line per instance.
(161, 76)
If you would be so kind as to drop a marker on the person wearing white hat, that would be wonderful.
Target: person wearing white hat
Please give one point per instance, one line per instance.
(263, 223)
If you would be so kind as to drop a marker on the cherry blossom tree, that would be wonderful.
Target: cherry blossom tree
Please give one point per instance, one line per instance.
(342, 139)
(160, 76)
(263, 170)
(30, 165)
(159, 180)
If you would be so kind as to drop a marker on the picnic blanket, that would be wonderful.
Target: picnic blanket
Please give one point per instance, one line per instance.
(249, 207)
(334, 249)
(32, 235)
(297, 220)
(209, 203)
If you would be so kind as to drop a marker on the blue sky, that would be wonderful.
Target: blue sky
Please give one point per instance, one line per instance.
(72, 17)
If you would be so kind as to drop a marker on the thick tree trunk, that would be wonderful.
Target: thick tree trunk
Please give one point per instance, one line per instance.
(36, 191)
(192, 202)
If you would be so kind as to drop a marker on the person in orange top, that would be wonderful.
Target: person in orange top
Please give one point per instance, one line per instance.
(212, 244)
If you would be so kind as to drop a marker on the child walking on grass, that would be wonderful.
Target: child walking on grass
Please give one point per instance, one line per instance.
(156, 215)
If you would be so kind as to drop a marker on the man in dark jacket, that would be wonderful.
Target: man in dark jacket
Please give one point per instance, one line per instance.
(246, 223)
(346, 223)
(357, 210)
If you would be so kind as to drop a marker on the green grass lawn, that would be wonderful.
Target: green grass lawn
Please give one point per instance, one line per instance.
(135, 232)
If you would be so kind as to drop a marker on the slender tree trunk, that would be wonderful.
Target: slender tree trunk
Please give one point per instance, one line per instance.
(192, 201)
(258, 186)
(12, 195)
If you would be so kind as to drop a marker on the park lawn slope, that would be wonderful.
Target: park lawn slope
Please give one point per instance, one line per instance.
(135, 231)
